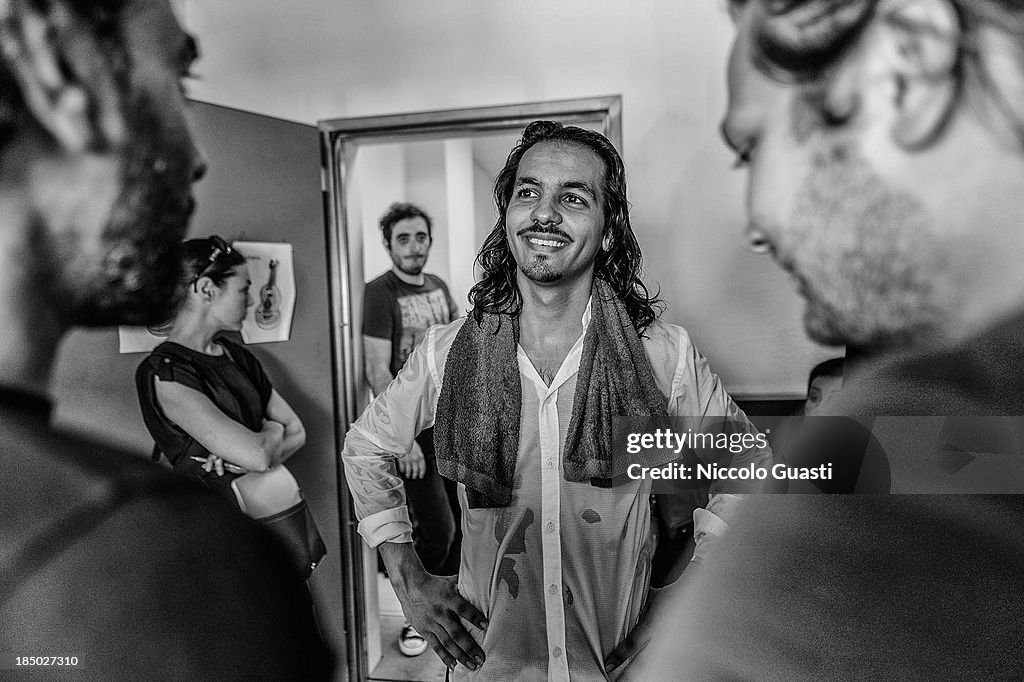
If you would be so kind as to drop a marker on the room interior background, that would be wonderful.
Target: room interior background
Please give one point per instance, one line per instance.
(317, 59)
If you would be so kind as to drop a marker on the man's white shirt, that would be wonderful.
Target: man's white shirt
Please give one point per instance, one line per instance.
(576, 554)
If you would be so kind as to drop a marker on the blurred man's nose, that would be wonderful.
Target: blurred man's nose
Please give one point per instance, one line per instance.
(199, 165)
(757, 239)
(199, 168)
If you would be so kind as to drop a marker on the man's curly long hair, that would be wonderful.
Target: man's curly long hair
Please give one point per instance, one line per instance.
(620, 266)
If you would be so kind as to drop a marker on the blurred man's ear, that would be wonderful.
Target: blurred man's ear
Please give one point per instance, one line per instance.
(921, 40)
(62, 74)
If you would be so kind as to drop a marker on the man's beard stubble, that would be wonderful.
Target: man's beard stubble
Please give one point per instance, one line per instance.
(134, 278)
(871, 271)
(414, 269)
(540, 271)
(539, 268)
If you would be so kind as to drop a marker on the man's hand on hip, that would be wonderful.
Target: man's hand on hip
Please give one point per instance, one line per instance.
(434, 607)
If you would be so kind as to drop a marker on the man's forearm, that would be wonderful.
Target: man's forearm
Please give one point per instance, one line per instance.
(377, 363)
(404, 567)
(379, 383)
(378, 378)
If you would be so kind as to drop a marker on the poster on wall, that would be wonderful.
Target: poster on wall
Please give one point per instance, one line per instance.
(268, 319)
(273, 291)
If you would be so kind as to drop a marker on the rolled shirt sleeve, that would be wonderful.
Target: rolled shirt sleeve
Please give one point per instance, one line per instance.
(386, 431)
(710, 524)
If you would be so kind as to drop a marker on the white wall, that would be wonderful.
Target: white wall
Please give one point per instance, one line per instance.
(377, 180)
(426, 180)
(311, 59)
(462, 226)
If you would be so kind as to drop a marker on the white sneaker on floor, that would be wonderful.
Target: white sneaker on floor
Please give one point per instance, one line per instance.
(410, 642)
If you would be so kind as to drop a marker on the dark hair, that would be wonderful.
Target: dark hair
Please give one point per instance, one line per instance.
(211, 257)
(829, 368)
(101, 18)
(497, 292)
(399, 211)
(803, 40)
(798, 40)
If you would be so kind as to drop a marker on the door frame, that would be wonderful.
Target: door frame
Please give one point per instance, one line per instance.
(340, 139)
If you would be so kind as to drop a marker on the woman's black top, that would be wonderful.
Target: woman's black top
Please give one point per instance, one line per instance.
(235, 382)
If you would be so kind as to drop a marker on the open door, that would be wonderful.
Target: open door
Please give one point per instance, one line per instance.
(263, 184)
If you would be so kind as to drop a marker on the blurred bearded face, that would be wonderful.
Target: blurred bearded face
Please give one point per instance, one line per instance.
(125, 269)
(861, 251)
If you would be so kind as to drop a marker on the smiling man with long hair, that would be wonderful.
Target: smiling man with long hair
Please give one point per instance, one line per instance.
(563, 338)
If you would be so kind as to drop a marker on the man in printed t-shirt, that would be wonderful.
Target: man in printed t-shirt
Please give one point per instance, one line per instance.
(398, 308)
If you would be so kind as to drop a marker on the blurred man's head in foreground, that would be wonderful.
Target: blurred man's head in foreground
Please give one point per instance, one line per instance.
(96, 157)
(883, 145)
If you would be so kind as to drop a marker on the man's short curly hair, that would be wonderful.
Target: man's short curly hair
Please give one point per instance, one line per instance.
(100, 17)
(399, 211)
(801, 41)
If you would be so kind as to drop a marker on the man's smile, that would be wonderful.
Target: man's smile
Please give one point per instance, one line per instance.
(544, 239)
(552, 243)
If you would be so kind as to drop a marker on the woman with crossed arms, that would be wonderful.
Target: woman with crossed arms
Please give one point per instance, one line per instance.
(206, 400)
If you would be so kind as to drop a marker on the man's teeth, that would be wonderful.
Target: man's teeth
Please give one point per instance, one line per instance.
(543, 242)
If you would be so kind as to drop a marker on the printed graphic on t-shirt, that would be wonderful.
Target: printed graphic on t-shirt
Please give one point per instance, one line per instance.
(419, 313)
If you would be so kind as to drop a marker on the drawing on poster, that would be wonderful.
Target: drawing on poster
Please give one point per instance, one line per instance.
(273, 291)
(269, 319)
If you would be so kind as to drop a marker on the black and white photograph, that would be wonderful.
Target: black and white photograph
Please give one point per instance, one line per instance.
(479, 341)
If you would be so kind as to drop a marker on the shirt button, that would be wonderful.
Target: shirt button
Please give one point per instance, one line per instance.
(552, 589)
(551, 526)
(557, 652)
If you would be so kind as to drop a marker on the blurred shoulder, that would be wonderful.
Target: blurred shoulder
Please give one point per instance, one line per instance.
(111, 538)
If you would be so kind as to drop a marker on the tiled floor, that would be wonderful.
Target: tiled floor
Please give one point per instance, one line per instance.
(426, 667)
